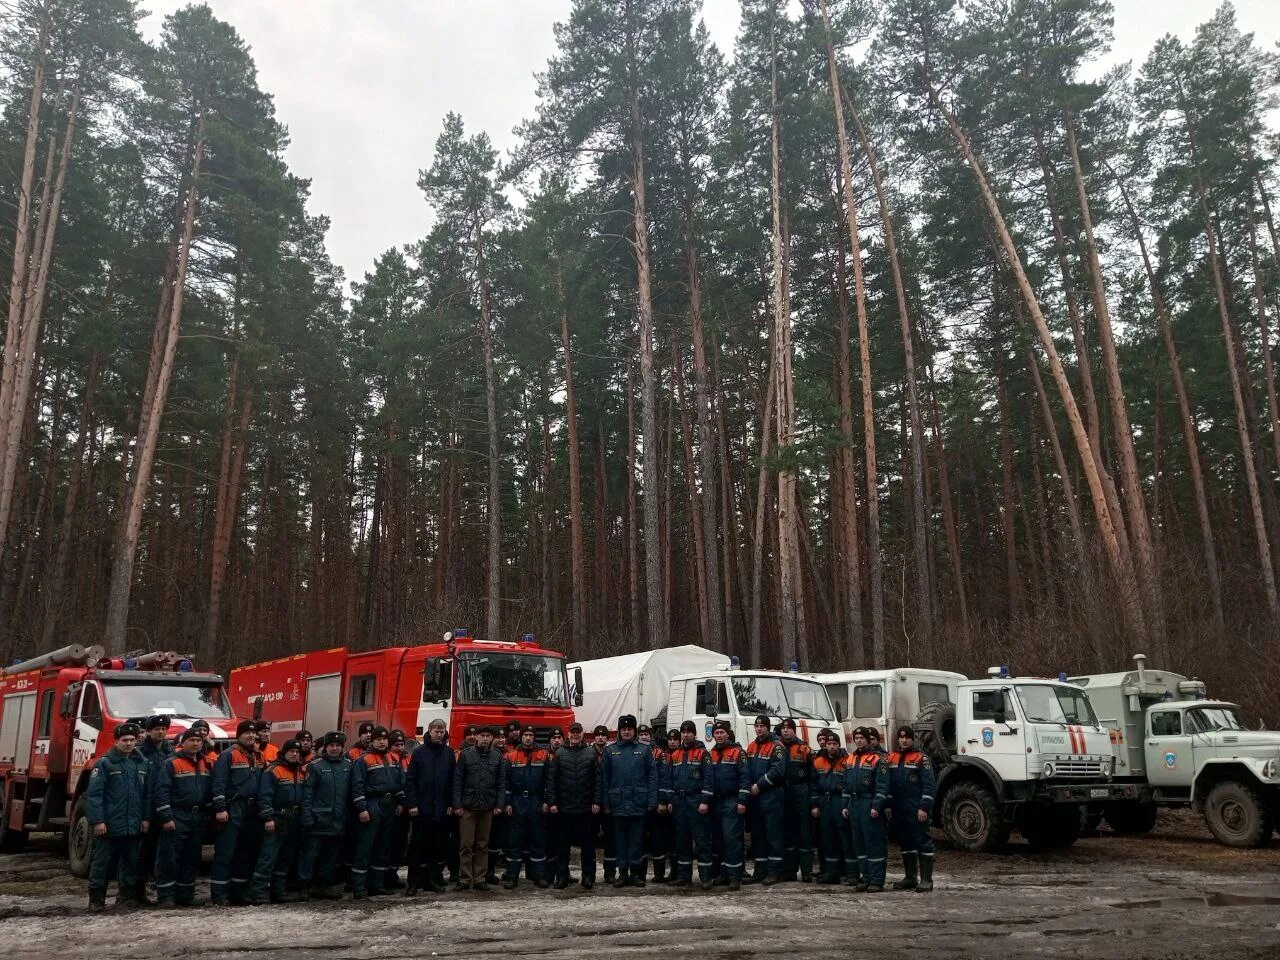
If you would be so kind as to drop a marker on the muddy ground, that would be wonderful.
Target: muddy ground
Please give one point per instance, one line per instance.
(1173, 894)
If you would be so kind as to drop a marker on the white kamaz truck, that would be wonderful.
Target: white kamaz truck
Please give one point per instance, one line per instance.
(663, 688)
(1174, 747)
(1009, 751)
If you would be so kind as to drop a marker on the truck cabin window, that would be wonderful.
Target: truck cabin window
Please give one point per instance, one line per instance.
(437, 669)
(868, 701)
(91, 709)
(838, 692)
(1167, 723)
(782, 697)
(1046, 703)
(512, 679)
(987, 703)
(721, 704)
(1212, 719)
(360, 694)
(191, 701)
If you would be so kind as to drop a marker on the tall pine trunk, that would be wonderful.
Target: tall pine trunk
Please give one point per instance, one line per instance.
(493, 592)
(577, 550)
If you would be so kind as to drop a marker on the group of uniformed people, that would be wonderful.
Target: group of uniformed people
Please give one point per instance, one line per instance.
(311, 819)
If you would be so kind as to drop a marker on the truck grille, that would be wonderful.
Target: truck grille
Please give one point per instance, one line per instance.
(1077, 768)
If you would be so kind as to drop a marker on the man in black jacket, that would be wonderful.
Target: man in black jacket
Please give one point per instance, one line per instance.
(575, 797)
(479, 785)
(428, 791)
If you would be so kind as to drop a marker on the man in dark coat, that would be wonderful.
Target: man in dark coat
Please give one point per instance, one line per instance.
(119, 800)
(326, 806)
(575, 797)
(479, 786)
(428, 794)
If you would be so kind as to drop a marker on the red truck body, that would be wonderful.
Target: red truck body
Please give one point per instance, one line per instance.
(56, 719)
(460, 681)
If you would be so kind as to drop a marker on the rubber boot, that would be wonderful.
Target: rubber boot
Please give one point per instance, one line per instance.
(926, 875)
(644, 866)
(97, 899)
(660, 870)
(806, 869)
(908, 882)
(638, 874)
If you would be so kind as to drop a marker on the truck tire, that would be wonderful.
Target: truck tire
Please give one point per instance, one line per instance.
(79, 840)
(973, 819)
(11, 841)
(935, 728)
(1132, 817)
(1051, 826)
(1236, 815)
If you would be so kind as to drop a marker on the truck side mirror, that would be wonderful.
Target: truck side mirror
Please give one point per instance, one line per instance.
(710, 693)
(999, 715)
(577, 687)
(257, 708)
(67, 708)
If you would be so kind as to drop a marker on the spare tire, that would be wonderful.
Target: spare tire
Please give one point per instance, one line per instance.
(935, 728)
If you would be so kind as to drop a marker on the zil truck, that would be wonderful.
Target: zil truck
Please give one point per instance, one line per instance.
(1175, 747)
(57, 714)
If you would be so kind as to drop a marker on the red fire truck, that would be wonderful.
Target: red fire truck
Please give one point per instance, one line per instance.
(57, 717)
(460, 681)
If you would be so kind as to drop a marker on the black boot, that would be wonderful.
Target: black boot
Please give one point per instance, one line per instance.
(660, 870)
(637, 874)
(926, 873)
(97, 899)
(806, 868)
(908, 882)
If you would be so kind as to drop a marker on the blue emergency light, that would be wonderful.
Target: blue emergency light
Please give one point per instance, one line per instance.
(734, 663)
(794, 668)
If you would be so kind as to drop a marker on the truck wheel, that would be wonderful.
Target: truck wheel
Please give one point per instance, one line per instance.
(1051, 826)
(79, 840)
(11, 841)
(972, 818)
(1132, 816)
(935, 728)
(1235, 814)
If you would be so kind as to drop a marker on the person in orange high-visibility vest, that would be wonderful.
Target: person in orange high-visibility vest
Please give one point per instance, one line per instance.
(266, 749)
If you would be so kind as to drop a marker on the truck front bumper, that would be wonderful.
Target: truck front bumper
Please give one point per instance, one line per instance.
(1082, 791)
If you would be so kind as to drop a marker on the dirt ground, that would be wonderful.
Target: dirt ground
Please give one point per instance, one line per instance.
(1173, 894)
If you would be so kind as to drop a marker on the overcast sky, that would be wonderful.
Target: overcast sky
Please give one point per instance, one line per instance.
(364, 84)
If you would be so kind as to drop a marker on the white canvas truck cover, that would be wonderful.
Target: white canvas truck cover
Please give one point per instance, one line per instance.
(637, 683)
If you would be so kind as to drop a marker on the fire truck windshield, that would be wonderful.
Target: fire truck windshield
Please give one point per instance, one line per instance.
(512, 679)
(189, 700)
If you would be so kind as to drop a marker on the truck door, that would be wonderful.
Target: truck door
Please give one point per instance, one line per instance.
(85, 733)
(437, 692)
(16, 726)
(1168, 749)
(993, 732)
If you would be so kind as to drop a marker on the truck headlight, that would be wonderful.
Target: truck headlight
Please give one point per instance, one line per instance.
(1271, 769)
(1048, 769)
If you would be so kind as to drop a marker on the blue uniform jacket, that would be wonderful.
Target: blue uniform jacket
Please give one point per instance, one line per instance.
(183, 789)
(326, 795)
(377, 776)
(767, 763)
(119, 793)
(528, 774)
(867, 779)
(629, 778)
(828, 777)
(689, 774)
(235, 777)
(280, 789)
(911, 781)
(729, 772)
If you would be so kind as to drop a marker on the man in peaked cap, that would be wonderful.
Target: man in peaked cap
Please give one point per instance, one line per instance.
(629, 787)
(119, 802)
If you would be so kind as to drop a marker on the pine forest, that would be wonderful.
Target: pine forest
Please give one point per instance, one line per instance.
(903, 333)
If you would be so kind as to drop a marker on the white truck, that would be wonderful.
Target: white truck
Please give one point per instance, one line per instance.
(1176, 748)
(886, 699)
(1009, 751)
(663, 688)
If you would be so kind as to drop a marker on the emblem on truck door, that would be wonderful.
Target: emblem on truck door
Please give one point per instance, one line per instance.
(1170, 759)
(988, 736)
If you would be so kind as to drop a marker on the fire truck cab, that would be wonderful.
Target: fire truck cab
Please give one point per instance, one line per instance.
(461, 681)
(57, 714)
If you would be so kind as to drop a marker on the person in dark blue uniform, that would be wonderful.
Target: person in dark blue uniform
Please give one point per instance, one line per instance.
(280, 791)
(691, 795)
(119, 802)
(828, 800)
(235, 800)
(911, 786)
(326, 803)
(183, 791)
(629, 786)
(732, 790)
(377, 793)
(528, 798)
(767, 769)
(797, 823)
(867, 783)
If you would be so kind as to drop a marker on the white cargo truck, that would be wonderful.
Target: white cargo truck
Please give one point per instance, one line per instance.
(1174, 747)
(1012, 751)
(663, 688)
